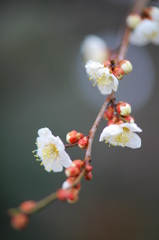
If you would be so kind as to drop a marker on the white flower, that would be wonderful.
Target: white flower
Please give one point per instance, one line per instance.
(146, 31)
(95, 48)
(154, 13)
(101, 76)
(51, 151)
(122, 135)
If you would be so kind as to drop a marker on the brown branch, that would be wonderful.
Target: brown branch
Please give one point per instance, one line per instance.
(71, 145)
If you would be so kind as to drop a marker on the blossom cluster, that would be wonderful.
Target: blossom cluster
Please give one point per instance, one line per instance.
(120, 130)
(145, 27)
(106, 75)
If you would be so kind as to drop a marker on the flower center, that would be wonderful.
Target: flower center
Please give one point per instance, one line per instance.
(50, 151)
(122, 137)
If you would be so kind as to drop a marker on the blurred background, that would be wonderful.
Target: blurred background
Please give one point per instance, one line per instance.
(43, 84)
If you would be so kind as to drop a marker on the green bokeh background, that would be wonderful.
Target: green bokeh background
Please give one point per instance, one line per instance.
(39, 44)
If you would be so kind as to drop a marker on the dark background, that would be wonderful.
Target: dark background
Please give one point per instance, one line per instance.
(43, 84)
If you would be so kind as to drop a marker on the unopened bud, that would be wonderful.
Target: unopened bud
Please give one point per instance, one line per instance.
(112, 121)
(82, 143)
(133, 20)
(63, 195)
(72, 171)
(120, 122)
(126, 66)
(118, 73)
(27, 206)
(88, 168)
(77, 163)
(88, 176)
(106, 63)
(123, 108)
(129, 119)
(19, 221)
(153, 12)
(73, 136)
(109, 113)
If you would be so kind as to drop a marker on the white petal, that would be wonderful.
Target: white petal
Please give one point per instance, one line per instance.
(105, 89)
(45, 132)
(66, 185)
(156, 39)
(134, 141)
(131, 126)
(56, 166)
(138, 39)
(109, 131)
(64, 159)
(115, 83)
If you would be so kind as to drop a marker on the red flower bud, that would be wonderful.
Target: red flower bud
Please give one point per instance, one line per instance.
(112, 121)
(72, 171)
(74, 198)
(88, 176)
(129, 119)
(77, 163)
(82, 143)
(19, 221)
(118, 73)
(27, 206)
(73, 136)
(109, 113)
(120, 122)
(63, 195)
(88, 168)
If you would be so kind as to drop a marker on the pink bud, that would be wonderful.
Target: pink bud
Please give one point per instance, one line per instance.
(88, 176)
(19, 221)
(82, 143)
(77, 163)
(112, 121)
(73, 136)
(88, 168)
(129, 119)
(109, 113)
(27, 206)
(72, 171)
(118, 73)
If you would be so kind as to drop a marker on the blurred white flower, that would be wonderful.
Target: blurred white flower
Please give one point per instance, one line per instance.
(95, 48)
(51, 151)
(154, 13)
(122, 135)
(146, 31)
(101, 76)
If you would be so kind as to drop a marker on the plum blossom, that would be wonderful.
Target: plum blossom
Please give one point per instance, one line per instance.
(101, 75)
(51, 151)
(147, 31)
(95, 48)
(122, 135)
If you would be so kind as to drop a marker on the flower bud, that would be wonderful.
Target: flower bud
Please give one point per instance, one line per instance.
(82, 143)
(126, 66)
(129, 119)
(63, 195)
(74, 198)
(77, 163)
(88, 176)
(112, 121)
(106, 63)
(73, 136)
(27, 206)
(109, 113)
(124, 109)
(19, 221)
(118, 73)
(68, 182)
(120, 122)
(133, 20)
(72, 171)
(88, 168)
